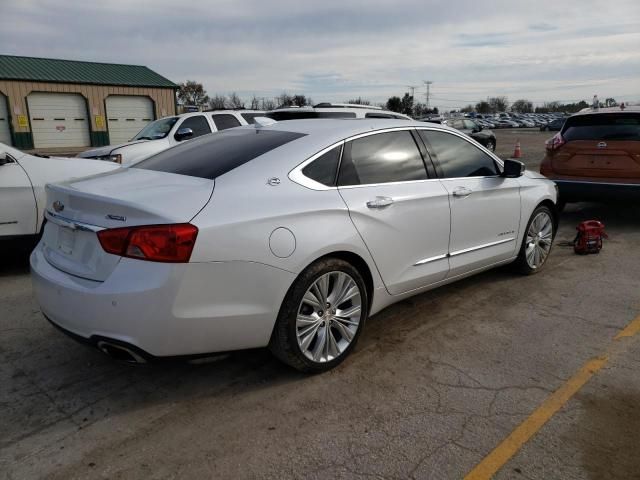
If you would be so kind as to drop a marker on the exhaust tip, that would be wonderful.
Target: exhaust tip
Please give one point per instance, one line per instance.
(120, 352)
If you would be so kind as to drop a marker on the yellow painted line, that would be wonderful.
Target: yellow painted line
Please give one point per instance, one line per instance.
(493, 462)
(630, 330)
(521, 435)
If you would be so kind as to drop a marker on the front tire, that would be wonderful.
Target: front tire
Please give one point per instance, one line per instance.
(321, 317)
(537, 242)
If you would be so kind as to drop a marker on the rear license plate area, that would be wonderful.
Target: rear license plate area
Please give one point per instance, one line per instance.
(66, 240)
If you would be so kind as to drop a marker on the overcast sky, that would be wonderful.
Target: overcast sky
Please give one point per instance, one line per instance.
(331, 50)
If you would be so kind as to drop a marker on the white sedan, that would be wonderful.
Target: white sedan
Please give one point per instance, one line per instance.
(288, 235)
(22, 181)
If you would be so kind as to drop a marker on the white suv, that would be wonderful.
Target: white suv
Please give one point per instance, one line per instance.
(169, 131)
(333, 110)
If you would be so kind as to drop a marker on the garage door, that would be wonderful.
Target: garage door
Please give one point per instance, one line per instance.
(126, 116)
(5, 134)
(58, 120)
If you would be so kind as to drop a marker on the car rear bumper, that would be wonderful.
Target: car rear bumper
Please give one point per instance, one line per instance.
(578, 190)
(165, 309)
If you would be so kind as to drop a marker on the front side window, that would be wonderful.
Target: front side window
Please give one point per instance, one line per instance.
(198, 124)
(224, 121)
(382, 158)
(158, 129)
(457, 157)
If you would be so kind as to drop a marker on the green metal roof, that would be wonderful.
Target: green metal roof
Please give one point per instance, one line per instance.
(71, 71)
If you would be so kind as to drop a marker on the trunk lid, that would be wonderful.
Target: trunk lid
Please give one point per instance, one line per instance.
(598, 158)
(77, 210)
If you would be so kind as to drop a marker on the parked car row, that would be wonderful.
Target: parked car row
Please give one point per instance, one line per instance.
(286, 234)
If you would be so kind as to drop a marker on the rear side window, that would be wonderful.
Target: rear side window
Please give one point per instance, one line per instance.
(198, 124)
(324, 169)
(457, 157)
(382, 158)
(214, 155)
(603, 126)
(225, 120)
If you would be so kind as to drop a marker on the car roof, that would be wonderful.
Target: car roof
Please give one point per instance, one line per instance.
(595, 111)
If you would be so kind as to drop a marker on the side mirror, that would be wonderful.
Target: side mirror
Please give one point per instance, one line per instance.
(512, 169)
(183, 134)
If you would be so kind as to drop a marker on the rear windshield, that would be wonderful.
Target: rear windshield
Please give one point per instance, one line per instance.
(603, 126)
(213, 155)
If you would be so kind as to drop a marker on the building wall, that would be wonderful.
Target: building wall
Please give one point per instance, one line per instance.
(95, 96)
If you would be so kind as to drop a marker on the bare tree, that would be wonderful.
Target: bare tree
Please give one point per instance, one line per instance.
(284, 100)
(218, 102)
(359, 101)
(267, 104)
(234, 101)
(255, 102)
(498, 104)
(522, 106)
(192, 93)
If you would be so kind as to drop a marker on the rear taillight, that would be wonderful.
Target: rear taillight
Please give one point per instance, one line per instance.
(156, 243)
(555, 142)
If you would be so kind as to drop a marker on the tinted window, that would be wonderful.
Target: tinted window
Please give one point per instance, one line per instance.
(225, 120)
(336, 115)
(214, 155)
(457, 157)
(251, 117)
(289, 115)
(382, 158)
(324, 169)
(198, 124)
(603, 126)
(378, 115)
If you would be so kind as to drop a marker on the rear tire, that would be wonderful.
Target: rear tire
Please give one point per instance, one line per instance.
(312, 337)
(537, 241)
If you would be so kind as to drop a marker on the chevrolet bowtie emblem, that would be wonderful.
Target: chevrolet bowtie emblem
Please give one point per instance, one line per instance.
(58, 206)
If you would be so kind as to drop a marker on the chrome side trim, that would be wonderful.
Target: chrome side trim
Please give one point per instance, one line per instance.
(480, 247)
(431, 259)
(72, 224)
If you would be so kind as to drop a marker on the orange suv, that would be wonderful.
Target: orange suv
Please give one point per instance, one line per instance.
(596, 155)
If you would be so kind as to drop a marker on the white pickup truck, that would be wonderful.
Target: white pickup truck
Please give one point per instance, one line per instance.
(169, 131)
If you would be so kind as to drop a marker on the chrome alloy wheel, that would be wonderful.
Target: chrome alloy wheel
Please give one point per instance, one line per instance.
(328, 316)
(539, 238)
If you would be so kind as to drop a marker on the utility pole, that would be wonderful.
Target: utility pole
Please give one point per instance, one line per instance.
(413, 90)
(428, 85)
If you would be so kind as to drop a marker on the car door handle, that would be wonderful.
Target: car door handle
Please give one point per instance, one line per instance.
(380, 202)
(462, 192)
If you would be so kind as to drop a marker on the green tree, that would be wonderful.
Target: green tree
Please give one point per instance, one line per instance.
(467, 109)
(394, 104)
(483, 107)
(192, 93)
(407, 104)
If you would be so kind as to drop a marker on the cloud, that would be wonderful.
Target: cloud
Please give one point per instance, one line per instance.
(335, 50)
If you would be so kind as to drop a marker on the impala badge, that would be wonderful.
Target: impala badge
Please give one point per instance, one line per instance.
(119, 218)
(58, 206)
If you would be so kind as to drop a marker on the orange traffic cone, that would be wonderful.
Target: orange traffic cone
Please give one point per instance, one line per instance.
(517, 152)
